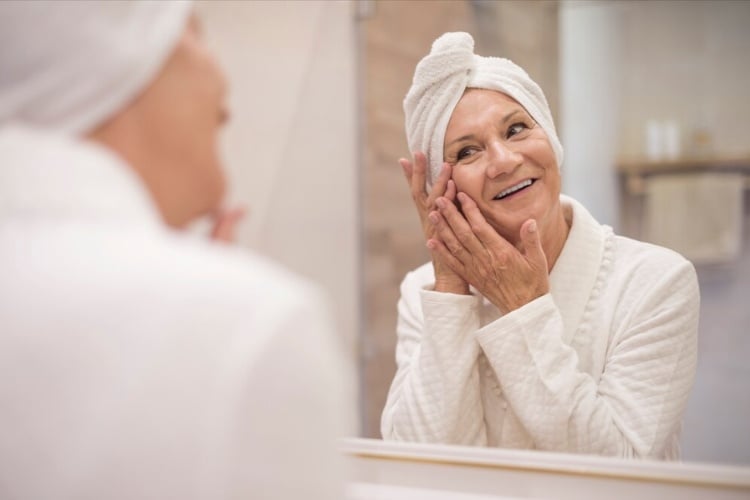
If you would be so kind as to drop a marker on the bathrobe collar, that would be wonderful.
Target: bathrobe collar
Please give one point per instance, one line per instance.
(577, 277)
(574, 279)
(50, 175)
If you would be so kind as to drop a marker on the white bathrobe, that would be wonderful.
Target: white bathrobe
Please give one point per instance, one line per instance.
(602, 364)
(138, 362)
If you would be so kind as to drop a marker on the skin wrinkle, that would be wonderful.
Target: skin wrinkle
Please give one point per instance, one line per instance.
(480, 111)
(471, 136)
(503, 247)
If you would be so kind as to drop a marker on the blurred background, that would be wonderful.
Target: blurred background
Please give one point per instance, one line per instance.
(650, 101)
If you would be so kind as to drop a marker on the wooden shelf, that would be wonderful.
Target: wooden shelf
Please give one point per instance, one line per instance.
(635, 172)
(650, 167)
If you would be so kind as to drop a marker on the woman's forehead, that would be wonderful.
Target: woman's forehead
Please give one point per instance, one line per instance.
(472, 94)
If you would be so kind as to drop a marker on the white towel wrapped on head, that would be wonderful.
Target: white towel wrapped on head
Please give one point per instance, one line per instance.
(86, 61)
(440, 80)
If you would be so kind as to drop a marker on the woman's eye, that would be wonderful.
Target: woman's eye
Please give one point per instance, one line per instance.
(516, 128)
(463, 153)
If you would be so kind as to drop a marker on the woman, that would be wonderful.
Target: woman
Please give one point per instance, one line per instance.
(137, 361)
(534, 326)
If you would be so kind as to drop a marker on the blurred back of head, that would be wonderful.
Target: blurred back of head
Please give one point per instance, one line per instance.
(132, 75)
(70, 65)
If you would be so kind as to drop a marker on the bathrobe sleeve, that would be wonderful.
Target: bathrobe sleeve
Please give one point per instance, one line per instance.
(435, 395)
(636, 406)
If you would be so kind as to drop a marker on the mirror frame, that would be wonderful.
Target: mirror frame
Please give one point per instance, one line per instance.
(384, 466)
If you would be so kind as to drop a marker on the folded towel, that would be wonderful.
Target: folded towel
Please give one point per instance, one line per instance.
(699, 215)
(69, 65)
(440, 80)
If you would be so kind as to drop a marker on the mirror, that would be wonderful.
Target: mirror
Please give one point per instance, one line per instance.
(675, 67)
(680, 62)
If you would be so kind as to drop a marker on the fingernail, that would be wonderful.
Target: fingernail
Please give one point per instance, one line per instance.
(440, 203)
(430, 244)
(532, 226)
(433, 217)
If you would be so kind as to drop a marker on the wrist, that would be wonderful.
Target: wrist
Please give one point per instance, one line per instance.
(459, 287)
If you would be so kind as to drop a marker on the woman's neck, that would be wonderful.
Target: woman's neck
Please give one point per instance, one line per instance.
(557, 234)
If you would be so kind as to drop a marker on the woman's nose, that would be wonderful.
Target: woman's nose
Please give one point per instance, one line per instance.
(502, 159)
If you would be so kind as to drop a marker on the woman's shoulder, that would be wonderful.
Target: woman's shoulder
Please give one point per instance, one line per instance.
(645, 268)
(641, 254)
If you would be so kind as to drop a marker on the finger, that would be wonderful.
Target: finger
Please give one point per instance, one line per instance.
(418, 177)
(532, 244)
(478, 224)
(450, 190)
(407, 168)
(460, 242)
(441, 252)
(439, 186)
(459, 226)
(225, 224)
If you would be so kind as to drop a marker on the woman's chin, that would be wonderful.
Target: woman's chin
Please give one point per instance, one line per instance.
(509, 230)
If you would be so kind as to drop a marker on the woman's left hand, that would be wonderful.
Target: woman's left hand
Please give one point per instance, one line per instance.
(508, 276)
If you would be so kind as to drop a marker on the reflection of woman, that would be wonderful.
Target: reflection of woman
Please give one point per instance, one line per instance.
(534, 326)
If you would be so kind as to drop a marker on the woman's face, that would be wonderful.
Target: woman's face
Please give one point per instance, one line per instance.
(503, 160)
(181, 114)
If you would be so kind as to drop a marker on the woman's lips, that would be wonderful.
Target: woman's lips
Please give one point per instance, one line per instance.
(514, 189)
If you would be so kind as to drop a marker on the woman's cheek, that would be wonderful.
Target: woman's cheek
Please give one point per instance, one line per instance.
(464, 182)
(471, 185)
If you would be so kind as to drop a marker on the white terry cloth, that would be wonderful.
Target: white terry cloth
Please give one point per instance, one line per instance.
(603, 364)
(87, 61)
(699, 215)
(440, 80)
(139, 362)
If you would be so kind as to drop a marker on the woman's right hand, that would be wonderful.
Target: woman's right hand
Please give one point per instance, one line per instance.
(446, 280)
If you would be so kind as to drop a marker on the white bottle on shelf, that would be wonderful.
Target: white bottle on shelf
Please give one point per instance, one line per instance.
(654, 140)
(671, 136)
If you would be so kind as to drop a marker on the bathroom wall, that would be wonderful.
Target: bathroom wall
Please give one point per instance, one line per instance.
(686, 61)
(291, 146)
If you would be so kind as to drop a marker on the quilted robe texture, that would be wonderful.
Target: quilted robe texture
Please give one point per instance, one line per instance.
(138, 362)
(602, 364)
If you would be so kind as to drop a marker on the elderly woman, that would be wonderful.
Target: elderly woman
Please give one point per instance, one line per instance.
(534, 326)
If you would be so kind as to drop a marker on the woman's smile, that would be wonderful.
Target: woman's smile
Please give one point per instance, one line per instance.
(514, 189)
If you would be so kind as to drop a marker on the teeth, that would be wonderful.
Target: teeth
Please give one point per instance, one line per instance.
(513, 189)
